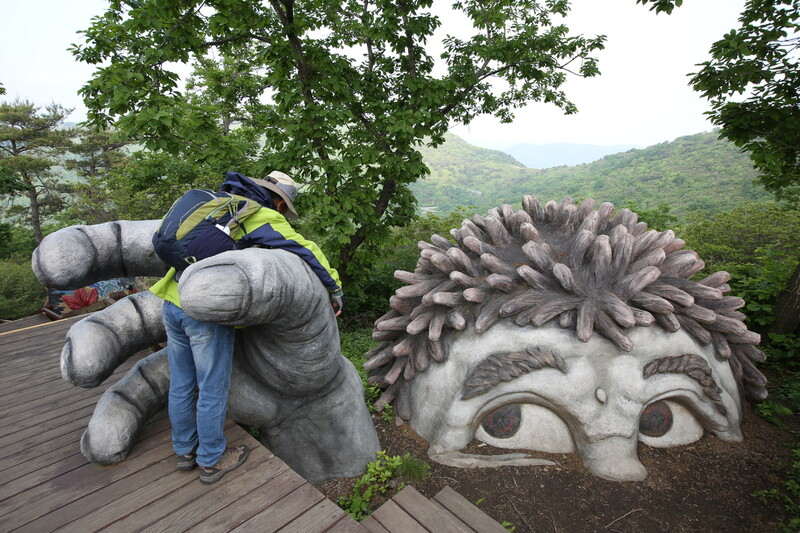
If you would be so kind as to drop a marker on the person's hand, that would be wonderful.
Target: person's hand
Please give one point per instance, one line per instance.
(337, 301)
(289, 378)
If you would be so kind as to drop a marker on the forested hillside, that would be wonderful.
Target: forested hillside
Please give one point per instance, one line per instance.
(458, 173)
(690, 173)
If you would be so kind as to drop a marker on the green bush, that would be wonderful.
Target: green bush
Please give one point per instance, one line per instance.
(142, 188)
(382, 474)
(659, 218)
(21, 294)
(16, 240)
(746, 235)
(757, 245)
(374, 283)
(783, 355)
(356, 342)
(761, 281)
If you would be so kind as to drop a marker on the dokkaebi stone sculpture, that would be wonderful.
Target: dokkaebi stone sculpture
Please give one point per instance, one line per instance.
(289, 378)
(563, 328)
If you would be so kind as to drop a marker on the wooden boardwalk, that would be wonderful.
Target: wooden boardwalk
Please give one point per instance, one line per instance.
(448, 512)
(47, 485)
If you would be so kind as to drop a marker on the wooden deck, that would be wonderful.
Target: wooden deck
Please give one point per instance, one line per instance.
(448, 512)
(47, 485)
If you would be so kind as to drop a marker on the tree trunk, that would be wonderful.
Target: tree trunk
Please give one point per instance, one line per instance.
(36, 221)
(787, 307)
(347, 252)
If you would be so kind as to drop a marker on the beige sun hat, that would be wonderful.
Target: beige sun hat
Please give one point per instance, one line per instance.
(282, 185)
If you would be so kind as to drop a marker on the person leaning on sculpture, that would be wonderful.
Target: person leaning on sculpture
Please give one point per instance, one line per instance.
(289, 379)
(563, 328)
(200, 353)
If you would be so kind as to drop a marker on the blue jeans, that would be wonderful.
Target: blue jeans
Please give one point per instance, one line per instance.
(200, 357)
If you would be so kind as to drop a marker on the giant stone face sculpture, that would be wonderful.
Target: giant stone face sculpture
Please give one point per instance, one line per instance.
(563, 328)
(289, 378)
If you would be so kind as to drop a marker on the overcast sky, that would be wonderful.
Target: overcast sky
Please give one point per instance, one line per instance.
(641, 97)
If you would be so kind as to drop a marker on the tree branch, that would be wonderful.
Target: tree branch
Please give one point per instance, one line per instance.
(388, 186)
(234, 38)
(285, 11)
(368, 41)
(184, 18)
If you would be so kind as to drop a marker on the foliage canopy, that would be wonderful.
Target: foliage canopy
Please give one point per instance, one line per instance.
(341, 92)
(760, 60)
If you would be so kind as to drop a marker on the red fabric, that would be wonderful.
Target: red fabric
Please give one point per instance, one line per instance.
(81, 298)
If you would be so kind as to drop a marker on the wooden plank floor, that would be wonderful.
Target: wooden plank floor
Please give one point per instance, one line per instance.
(47, 485)
(448, 512)
(23, 322)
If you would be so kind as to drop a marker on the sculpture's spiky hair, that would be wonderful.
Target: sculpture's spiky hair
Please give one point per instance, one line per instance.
(574, 264)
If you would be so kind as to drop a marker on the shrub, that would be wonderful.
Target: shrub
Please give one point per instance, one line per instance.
(747, 235)
(16, 240)
(381, 475)
(757, 245)
(21, 294)
(373, 283)
(356, 342)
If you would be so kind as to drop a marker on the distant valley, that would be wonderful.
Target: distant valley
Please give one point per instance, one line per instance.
(561, 154)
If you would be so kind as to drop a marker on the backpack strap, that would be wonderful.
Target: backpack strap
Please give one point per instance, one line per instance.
(247, 208)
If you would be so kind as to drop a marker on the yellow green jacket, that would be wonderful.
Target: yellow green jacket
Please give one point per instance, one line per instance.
(266, 228)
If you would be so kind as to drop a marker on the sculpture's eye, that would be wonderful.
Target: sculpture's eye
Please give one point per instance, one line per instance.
(525, 426)
(503, 422)
(656, 419)
(667, 423)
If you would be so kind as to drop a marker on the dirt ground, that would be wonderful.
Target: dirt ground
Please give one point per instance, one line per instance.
(705, 486)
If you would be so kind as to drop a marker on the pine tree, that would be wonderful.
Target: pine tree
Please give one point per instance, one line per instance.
(31, 141)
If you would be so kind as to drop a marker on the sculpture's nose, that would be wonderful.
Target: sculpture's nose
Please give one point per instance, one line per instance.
(615, 459)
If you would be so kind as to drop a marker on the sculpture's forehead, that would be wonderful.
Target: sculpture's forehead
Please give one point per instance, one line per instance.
(648, 343)
(586, 365)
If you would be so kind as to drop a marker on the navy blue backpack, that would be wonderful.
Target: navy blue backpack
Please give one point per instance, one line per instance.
(199, 225)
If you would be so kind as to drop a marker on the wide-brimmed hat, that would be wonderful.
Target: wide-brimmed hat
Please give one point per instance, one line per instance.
(282, 185)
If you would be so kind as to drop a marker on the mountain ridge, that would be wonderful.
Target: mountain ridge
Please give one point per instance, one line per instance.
(691, 173)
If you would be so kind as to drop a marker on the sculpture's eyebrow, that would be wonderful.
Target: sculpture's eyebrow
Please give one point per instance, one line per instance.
(693, 366)
(505, 366)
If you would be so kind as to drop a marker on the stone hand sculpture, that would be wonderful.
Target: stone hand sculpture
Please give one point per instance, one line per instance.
(562, 328)
(289, 378)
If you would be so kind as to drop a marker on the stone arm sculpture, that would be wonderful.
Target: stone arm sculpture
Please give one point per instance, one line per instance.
(289, 378)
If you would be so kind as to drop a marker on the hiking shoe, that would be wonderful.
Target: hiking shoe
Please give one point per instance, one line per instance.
(187, 462)
(232, 458)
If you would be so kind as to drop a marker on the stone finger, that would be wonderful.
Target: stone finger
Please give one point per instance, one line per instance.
(77, 256)
(98, 344)
(124, 408)
(255, 286)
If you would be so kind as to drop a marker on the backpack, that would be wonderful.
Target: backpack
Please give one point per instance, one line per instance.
(199, 224)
